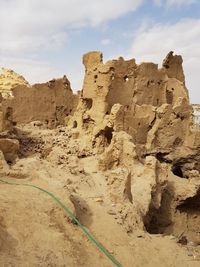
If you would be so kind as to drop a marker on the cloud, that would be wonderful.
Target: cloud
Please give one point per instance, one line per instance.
(32, 70)
(35, 29)
(105, 41)
(152, 44)
(30, 25)
(170, 3)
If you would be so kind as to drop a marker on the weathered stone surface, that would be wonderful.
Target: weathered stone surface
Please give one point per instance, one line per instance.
(3, 164)
(129, 147)
(1, 121)
(173, 66)
(148, 103)
(9, 80)
(141, 116)
(50, 102)
(9, 147)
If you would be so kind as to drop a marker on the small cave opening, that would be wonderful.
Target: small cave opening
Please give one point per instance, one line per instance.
(188, 212)
(105, 136)
(9, 162)
(161, 157)
(75, 124)
(158, 220)
(108, 133)
(88, 103)
(176, 169)
(191, 204)
(180, 221)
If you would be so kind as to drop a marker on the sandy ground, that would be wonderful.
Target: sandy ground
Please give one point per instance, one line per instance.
(35, 231)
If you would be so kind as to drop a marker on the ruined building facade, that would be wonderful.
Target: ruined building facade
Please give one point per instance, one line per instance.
(136, 117)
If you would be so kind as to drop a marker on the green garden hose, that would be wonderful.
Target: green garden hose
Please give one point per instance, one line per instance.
(114, 261)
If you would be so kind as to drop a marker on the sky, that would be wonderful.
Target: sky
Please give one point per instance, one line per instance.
(45, 39)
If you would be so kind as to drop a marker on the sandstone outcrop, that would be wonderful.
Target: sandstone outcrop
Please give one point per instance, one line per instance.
(9, 80)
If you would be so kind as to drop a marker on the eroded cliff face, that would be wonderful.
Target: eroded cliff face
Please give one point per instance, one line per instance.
(131, 128)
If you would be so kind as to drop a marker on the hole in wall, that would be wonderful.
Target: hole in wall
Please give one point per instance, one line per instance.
(190, 204)
(157, 221)
(180, 117)
(105, 135)
(188, 213)
(161, 157)
(9, 162)
(176, 169)
(170, 220)
(108, 133)
(95, 78)
(88, 102)
(126, 79)
(75, 124)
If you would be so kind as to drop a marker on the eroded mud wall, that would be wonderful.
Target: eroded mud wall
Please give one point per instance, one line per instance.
(50, 102)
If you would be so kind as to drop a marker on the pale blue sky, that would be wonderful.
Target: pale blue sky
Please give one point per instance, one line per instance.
(43, 39)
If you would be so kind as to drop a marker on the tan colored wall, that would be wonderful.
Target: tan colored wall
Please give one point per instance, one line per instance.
(50, 102)
(149, 103)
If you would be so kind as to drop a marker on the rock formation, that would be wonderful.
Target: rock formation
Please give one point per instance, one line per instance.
(127, 142)
(142, 100)
(9, 80)
(140, 116)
